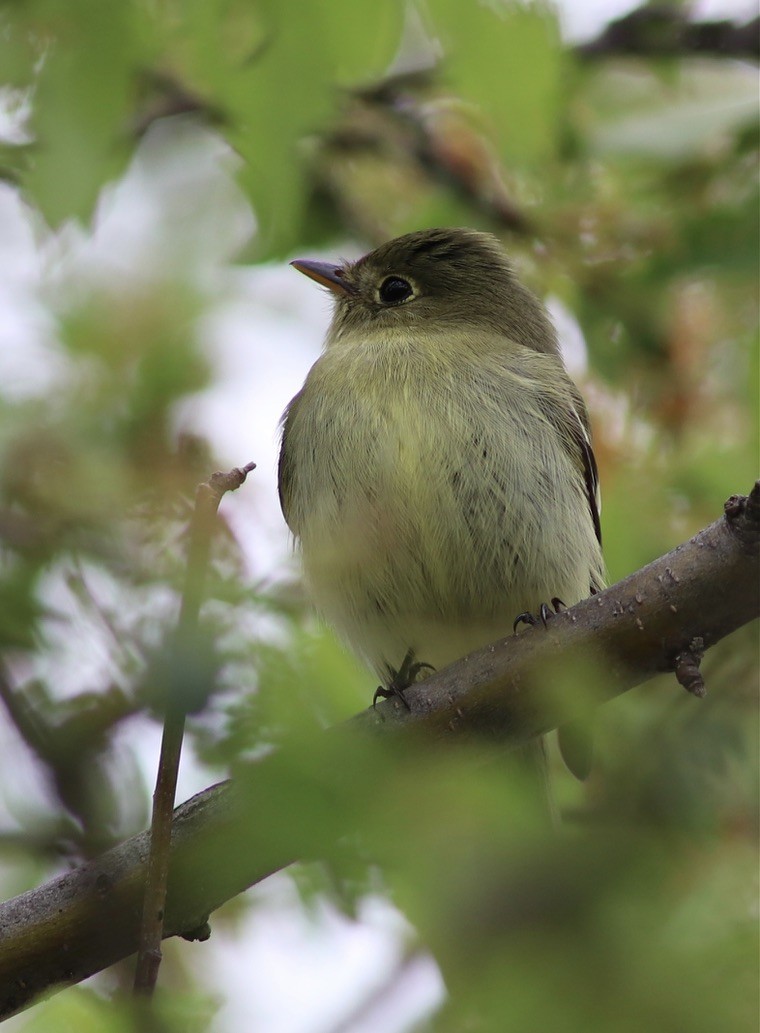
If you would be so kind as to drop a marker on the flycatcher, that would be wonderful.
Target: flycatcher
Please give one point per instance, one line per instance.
(436, 468)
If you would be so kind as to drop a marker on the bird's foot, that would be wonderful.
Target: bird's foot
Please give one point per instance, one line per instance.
(401, 679)
(544, 614)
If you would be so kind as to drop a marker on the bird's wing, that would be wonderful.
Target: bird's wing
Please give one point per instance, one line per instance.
(576, 739)
(570, 417)
(285, 467)
(581, 436)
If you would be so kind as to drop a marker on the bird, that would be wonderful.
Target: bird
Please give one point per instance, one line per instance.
(436, 468)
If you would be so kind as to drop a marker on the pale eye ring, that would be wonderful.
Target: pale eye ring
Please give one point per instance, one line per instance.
(394, 290)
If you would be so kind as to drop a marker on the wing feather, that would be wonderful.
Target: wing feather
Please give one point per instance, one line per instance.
(285, 466)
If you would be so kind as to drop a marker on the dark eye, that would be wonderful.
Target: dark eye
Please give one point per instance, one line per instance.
(394, 290)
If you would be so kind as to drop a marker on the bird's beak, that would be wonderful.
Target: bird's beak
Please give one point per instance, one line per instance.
(331, 276)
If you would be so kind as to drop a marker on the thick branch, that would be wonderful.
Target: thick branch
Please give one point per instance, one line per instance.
(231, 836)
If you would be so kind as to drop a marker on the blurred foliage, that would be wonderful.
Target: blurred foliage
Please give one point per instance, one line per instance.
(626, 190)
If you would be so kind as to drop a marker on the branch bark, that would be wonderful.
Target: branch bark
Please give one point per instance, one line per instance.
(229, 837)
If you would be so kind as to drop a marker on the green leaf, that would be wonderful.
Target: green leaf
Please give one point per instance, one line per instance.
(81, 104)
(705, 106)
(280, 87)
(505, 57)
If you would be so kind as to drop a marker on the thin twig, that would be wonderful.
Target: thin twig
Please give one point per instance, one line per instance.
(207, 498)
(70, 747)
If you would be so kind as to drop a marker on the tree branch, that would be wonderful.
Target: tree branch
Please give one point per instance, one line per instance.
(208, 495)
(232, 835)
(665, 30)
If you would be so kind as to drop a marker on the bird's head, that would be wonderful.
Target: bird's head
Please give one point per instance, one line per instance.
(437, 280)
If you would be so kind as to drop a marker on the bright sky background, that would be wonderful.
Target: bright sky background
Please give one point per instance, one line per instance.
(286, 972)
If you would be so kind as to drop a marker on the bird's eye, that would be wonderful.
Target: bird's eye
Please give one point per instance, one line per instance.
(394, 290)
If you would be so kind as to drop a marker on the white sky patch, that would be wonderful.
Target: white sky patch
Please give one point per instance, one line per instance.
(302, 957)
(30, 362)
(572, 342)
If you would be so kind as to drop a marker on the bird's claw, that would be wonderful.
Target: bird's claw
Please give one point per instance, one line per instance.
(385, 692)
(405, 676)
(544, 613)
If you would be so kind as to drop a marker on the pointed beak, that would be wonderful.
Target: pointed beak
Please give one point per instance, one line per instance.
(329, 275)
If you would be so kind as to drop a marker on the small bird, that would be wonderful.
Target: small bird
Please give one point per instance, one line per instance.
(436, 467)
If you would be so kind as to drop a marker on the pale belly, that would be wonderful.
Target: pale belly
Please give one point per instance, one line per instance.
(432, 513)
(420, 553)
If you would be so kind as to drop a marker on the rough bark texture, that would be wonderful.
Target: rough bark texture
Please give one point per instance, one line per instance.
(224, 839)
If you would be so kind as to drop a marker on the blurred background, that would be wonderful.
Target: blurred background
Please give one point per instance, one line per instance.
(159, 166)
